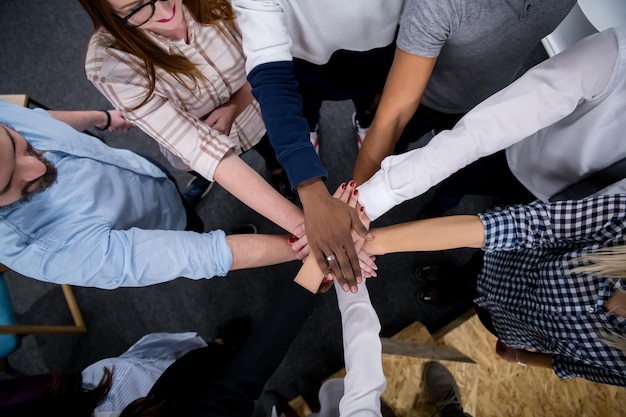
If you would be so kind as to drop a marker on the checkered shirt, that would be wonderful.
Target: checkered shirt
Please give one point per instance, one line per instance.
(536, 302)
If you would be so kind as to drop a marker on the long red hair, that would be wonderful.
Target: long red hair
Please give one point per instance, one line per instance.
(135, 42)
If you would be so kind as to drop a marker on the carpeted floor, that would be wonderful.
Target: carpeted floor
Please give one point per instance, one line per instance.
(43, 44)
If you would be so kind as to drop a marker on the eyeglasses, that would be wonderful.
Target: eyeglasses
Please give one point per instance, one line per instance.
(140, 15)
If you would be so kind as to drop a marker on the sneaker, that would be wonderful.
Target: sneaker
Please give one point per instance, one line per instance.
(360, 131)
(197, 188)
(442, 388)
(275, 404)
(281, 183)
(315, 141)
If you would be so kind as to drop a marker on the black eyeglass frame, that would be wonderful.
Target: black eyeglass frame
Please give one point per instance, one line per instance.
(124, 20)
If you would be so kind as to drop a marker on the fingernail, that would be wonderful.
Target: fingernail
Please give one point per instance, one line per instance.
(325, 280)
(345, 287)
(355, 192)
(362, 208)
(352, 183)
(343, 185)
(292, 240)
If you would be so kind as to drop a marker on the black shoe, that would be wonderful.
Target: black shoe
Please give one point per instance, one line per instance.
(442, 388)
(427, 274)
(197, 189)
(431, 296)
(271, 399)
(281, 183)
(244, 229)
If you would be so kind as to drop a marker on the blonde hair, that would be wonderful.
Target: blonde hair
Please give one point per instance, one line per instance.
(607, 262)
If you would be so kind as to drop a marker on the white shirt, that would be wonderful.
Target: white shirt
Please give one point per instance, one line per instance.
(569, 109)
(277, 30)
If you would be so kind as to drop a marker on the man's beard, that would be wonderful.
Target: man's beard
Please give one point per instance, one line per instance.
(43, 182)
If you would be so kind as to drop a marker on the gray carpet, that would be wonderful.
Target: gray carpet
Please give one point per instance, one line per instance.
(42, 48)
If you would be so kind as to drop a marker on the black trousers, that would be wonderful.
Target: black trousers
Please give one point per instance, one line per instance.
(348, 75)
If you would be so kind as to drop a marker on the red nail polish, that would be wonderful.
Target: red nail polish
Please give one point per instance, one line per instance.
(355, 192)
(362, 208)
(352, 183)
(343, 185)
(292, 240)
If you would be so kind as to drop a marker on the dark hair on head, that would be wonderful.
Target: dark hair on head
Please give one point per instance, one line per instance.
(65, 397)
(134, 40)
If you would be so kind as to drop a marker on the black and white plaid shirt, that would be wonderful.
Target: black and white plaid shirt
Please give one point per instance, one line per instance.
(535, 301)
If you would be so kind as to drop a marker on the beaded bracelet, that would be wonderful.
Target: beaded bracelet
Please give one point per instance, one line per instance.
(108, 121)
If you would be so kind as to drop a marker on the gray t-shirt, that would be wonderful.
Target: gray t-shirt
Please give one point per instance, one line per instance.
(480, 44)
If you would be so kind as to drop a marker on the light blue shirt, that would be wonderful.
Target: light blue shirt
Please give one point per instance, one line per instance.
(137, 370)
(112, 218)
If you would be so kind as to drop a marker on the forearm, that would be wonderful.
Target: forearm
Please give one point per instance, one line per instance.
(401, 96)
(311, 190)
(108, 259)
(440, 233)
(242, 98)
(252, 251)
(525, 357)
(365, 381)
(544, 95)
(239, 179)
(275, 88)
(81, 120)
(382, 143)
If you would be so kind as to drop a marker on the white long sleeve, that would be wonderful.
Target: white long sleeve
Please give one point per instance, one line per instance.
(547, 94)
(364, 382)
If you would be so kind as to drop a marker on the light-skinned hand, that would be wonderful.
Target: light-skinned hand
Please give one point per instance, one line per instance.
(119, 122)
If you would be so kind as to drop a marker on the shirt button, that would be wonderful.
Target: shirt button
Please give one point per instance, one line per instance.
(591, 309)
(214, 78)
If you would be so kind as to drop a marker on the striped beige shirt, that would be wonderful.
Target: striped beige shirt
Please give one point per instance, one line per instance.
(172, 115)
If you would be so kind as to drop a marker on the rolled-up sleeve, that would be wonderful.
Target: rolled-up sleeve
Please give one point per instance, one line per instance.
(108, 259)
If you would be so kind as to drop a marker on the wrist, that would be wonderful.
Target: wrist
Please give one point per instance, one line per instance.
(105, 122)
(312, 189)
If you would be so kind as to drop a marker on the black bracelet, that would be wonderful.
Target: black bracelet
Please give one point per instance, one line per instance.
(108, 121)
